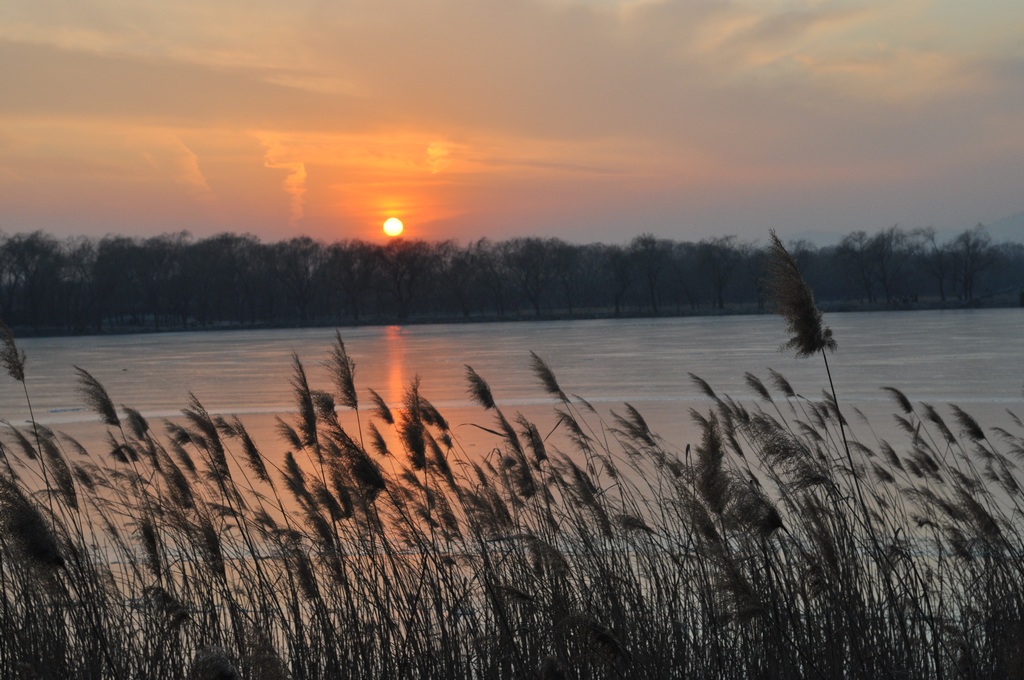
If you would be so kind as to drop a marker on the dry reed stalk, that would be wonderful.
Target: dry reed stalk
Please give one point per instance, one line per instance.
(686, 565)
(26, 530)
(212, 663)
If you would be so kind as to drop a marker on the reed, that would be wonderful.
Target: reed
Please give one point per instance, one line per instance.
(790, 544)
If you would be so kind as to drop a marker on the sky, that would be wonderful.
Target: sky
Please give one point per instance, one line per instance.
(588, 120)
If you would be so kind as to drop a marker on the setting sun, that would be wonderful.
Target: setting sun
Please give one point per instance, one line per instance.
(393, 226)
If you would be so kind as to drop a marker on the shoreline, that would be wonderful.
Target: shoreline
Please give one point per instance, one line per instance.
(1003, 301)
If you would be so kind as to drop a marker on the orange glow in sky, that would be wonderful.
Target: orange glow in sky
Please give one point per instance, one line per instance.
(685, 120)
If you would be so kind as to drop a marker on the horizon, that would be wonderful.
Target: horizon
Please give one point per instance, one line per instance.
(1012, 234)
(586, 120)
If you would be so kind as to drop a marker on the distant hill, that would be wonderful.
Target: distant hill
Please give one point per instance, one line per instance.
(1008, 229)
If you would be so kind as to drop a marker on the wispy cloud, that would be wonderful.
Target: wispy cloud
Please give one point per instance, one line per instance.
(437, 104)
(294, 183)
(438, 156)
(173, 158)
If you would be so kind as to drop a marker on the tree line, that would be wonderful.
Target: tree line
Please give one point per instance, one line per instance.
(174, 281)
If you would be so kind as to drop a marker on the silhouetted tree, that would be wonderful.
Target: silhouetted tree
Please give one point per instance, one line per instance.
(298, 263)
(405, 267)
(457, 274)
(31, 263)
(115, 272)
(225, 269)
(620, 265)
(719, 258)
(652, 256)
(174, 281)
(565, 259)
(892, 250)
(77, 295)
(493, 272)
(157, 264)
(857, 259)
(592, 281)
(935, 259)
(182, 278)
(530, 264)
(352, 266)
(972, 253)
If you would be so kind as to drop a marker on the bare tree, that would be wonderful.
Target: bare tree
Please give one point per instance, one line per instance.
(78, 294)
(352, 266)
(854, 252)
(619, 265)
(719, 258)
(972, 253)
(31, 263)
(892, 249)
(935, 259)
(565, 259)
(456, 274)
(531, 266)
(652, 257)
(298, 262)
(685, 282)
(405, 267)
(492, 269)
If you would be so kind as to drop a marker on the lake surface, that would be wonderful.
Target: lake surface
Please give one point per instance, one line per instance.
(974, 358)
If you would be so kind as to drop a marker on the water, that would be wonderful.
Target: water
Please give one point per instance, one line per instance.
(974, 358)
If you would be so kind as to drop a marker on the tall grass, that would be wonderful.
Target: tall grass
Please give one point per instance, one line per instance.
(783, 545)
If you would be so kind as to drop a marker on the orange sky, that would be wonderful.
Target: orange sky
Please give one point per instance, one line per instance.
(584, 119)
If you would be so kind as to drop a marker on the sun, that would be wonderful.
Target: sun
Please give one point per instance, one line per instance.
(393, 226)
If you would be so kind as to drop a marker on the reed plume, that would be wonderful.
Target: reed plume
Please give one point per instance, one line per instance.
(137, 423)
(253, 457)
(212, 663)
(533, 440)
(381, 408)
(377, 442)
(755, 384)
(11, 357)
(343, 369)
(792, 299)
(96, 397)
(542, 553)
(968, 425)
(479, 390)
(900, 399)
(367, 473)
(58, 467)
(27, 449)
(306, 419)
(25, 528)
(546, 377)
(712, 481)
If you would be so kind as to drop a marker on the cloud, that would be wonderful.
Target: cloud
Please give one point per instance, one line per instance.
(54, 83)
(53, 150)
(174, 159)
(506, 108)
(667, 70)
(294, 183)
(438, 156)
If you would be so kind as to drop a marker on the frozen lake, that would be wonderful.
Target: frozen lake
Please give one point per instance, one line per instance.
(974, 358)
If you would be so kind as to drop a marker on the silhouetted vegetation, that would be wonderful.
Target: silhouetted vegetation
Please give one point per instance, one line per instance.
(175, 281)
(789, 543)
